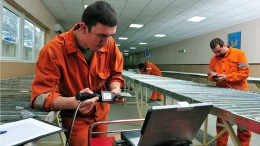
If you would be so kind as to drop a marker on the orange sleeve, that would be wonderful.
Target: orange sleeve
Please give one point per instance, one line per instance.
(117, 68)
(45, 81)
(243, 69)
(211, 67)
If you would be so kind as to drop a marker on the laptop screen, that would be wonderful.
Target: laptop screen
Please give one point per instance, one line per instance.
(172, 124)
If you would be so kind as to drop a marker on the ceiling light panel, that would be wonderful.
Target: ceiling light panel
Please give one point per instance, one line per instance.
(122, 38)
(132, 48)
(160, 35)
(136, 25)
(196, 19)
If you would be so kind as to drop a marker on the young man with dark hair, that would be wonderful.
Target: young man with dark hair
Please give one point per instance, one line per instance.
(85, 59)
(229, 68)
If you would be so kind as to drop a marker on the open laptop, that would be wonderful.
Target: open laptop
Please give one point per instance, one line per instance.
(169, 125)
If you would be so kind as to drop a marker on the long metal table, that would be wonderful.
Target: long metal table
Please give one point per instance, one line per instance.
(233, 106)
(253, 80)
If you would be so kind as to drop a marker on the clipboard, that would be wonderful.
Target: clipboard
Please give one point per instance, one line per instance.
(27, 130)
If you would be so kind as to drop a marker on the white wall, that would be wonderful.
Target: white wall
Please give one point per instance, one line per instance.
(198, 50)
(257, 49)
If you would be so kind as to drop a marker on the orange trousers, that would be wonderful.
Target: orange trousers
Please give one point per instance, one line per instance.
(156, 95)
(79, 135)
(244, 136)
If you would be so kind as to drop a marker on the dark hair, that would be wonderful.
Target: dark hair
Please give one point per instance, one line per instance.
(99, 12)
(215, 42)
(141, 65)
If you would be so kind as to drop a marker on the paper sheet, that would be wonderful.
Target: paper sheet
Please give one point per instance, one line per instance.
(25, 131)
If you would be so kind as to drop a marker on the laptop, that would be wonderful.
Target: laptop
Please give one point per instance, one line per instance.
(169, 125)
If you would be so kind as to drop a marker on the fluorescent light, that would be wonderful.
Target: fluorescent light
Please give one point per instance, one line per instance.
(118, 45)
(122, 38)
(160, 35)
(132, 48)
(126, 54)
(142, 43)
(136, 25)
(196, 19)
(85, 6)
(126, 50)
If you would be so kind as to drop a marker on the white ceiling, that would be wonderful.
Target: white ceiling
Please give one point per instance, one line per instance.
(161, 16)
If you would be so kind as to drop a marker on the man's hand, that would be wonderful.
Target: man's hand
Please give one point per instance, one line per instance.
(138, 71)
(87, 105)
(212, 75)
(221, 77)
(115, 87)
(117, 90)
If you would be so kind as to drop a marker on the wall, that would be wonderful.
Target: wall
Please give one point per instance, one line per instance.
(36, 11)
(16, 69)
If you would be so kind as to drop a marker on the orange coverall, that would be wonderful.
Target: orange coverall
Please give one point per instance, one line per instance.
(61, 69)
(234, 65)
(151, 69)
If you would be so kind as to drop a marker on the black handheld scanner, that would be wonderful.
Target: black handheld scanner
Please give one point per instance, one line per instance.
(85, 96)
(103, 96)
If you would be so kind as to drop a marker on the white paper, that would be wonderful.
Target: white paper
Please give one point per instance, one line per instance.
(25, 130)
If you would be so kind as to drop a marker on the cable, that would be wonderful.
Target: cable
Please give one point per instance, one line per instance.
(72, 123)
(84, 96)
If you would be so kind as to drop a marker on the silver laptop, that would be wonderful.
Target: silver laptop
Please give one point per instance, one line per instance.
(170, 125)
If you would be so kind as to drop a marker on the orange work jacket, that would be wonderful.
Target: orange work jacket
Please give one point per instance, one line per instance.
(151, 69)
(234, 65)
(61, 69)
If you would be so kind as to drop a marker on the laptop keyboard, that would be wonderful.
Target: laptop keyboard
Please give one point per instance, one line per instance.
(131, 137)
(135, 140)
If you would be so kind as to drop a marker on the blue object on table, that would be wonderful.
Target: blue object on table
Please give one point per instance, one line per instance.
(2, 132)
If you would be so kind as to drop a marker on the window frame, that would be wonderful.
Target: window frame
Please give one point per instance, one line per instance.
(16, 12)
(20, 39)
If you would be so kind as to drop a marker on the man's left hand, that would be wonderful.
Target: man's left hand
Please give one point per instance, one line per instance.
(117, 90)
(221, 77)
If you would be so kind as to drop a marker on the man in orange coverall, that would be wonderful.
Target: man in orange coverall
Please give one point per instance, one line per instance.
(229, 68)
(151, 69)
(84, 59)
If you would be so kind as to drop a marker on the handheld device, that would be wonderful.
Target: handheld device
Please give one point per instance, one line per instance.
(85, 96)
(103, 96)
(215, 77)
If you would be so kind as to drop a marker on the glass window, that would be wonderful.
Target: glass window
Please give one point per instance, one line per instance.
(22, 39)
(28, 43)
(39, 40)
(10, 31)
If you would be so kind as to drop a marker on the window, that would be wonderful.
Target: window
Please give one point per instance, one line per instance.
(9, 34)
(28, 40)
(38, 42)
(22, 39)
